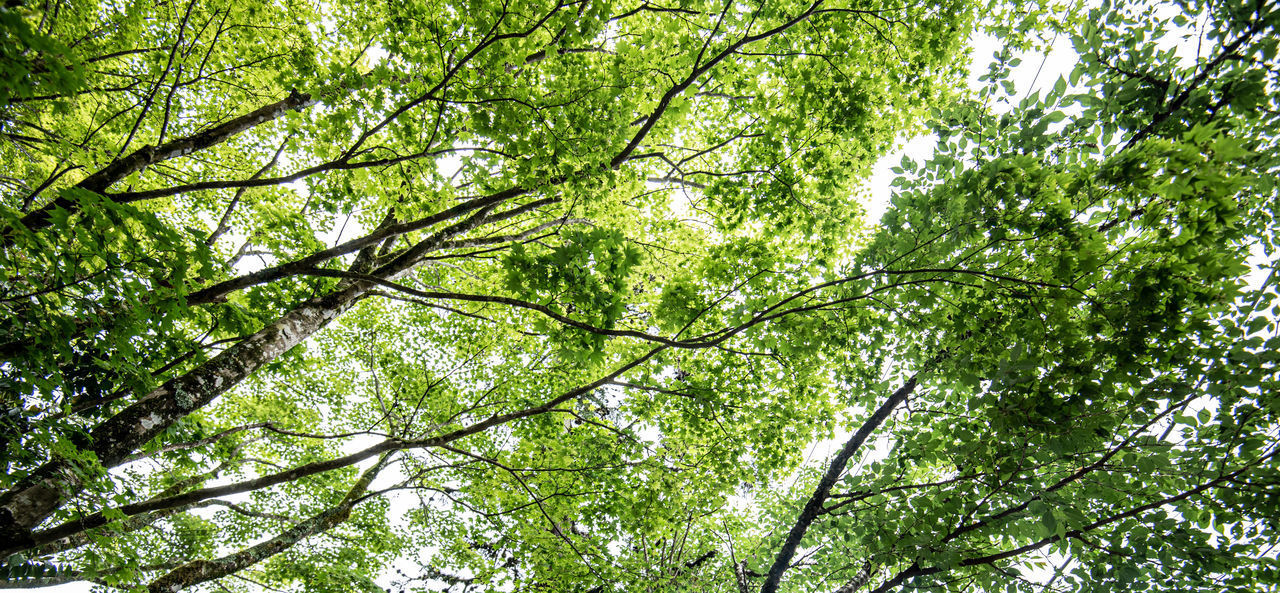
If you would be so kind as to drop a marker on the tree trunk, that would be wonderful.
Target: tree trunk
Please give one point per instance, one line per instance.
(813, 507)
(201, 571)
(37, 496)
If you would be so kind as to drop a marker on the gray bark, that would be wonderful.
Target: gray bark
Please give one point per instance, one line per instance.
(36, 497)
(201, 571)
(33, 499)
(163, 503)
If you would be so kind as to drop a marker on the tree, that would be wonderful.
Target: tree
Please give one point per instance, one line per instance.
(499, 181)
(1112, 405)
(606, 273)
(1094, 238)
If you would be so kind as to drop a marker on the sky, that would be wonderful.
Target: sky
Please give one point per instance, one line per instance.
(1036, 72)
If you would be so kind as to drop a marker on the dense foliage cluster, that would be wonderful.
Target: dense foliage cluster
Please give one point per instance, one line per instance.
(578, 295)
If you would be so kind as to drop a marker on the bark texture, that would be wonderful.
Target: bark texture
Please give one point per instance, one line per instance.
(201, 571)
(33, 499)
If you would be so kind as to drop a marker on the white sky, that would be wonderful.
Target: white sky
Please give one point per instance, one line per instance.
(1036, 72)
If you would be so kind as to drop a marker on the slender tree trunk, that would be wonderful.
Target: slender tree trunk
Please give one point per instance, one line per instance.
(201, 571)
(149, 155)
(37, 496)
(813, 507)
(171, 499)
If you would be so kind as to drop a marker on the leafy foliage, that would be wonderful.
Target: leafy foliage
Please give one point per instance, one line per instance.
(564, 296)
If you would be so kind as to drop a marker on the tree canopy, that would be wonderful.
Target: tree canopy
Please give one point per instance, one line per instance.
(579, 295)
